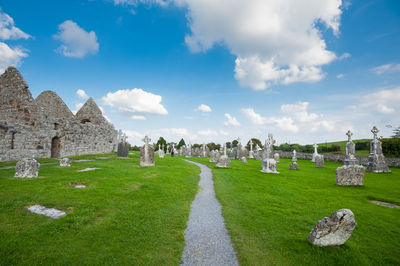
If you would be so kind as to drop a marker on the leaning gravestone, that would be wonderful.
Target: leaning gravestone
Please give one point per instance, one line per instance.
(146, 153)
(268, 164)
(351, 173)
(319, 161)
(224, 161)
(294, 165)
(376, 159)
(27, 168)
(65, 162)
(334, 230)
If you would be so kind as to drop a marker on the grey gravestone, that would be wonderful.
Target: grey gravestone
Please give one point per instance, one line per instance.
(251, 153)
(334, 230)
(65, 162)
(277, 157)
(189, 151)
(319, 161)
(315, 152)
(27, 168)
(213, 156)
(294, 165)
(49, 212)
(268, 163)
(376, 160)
(351, 173)
(146, 153)
(244, 160)
(224, 161)
(123, 147)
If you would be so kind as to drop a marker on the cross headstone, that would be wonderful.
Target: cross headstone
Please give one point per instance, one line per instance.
(315, 148)
(349, 134)
(146, 140)
(251, 145)
(375, 131)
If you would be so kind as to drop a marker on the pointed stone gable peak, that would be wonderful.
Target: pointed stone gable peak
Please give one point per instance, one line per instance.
(90, 112)
(13, 86)
(53, 106)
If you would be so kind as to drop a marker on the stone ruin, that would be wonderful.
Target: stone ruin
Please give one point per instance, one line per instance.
(294, 165)
(224, 161)
(27, 168)
(146, 153)
(268, 163)
(376, 159)
(351, 173)
(123, 147)
(334, 230)
(44, 127)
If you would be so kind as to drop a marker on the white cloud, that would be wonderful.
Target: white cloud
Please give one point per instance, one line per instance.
(388, 68)
(82, 94)
(224, 133)
(138, 117)
(8, 31)
(344, 56)
(10, 56)
(275, 42)
(340, 76)
(232, 121)
(135, 101)
(299, 111)
(133, 135)
(207, 132)
(255, 118)
(76, 42)
(385, 101)
(204, 108)
(284, 123)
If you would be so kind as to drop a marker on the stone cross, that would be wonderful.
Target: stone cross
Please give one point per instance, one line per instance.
(349, 134)
(294, 158)
(315, 148)
(225, 149)
(146, 140)
(375, 131)
(159, 146)
(251, 145)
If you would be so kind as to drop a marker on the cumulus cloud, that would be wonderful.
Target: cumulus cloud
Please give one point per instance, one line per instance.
(232, 121)
(207, 132)
(299, 111)
(275, 42)
(284, 123)
(10, 56)
(8, 31)
(82, 94)
(385, 101)
(204, 108)
(134, 135)
(135, 101)
(76, 42)
(388, 68)
(344, 56)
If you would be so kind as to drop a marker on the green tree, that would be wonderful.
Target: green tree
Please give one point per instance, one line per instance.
(235, 143)
(161, 141)
(181, 143)
(396, 132)
(255, 142)
(228, 145)
(212, 146)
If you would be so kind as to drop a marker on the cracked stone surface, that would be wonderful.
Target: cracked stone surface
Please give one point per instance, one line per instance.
(207, 240)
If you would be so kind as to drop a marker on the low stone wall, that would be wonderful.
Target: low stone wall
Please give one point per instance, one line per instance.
(337, 158)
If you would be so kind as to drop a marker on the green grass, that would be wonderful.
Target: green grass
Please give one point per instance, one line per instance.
(342, 145)
(126, 215)
(270, 216)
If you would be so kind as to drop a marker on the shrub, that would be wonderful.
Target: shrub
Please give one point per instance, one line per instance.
(391, 147)
(362, 146)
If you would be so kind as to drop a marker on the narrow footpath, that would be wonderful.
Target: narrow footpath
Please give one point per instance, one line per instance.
(207, 240)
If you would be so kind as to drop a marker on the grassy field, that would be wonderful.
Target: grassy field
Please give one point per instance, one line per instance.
(126, 215)
(270, 216)
(342, 145)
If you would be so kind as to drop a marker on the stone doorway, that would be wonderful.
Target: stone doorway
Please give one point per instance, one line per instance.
(55, 147)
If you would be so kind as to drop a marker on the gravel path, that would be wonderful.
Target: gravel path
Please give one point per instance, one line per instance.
(207, 240)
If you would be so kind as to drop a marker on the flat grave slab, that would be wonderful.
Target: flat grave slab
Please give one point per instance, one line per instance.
(87, 169)
(49, 212)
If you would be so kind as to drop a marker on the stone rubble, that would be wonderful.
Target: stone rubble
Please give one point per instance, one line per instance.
(65, 162)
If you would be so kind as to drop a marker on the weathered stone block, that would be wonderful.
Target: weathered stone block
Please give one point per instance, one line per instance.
(123, 149)
(27, 168)
(350, 175)
(319, 161)
(269, 166)
(224, 162)
(334, 230)
(65, 162)
(147, 156)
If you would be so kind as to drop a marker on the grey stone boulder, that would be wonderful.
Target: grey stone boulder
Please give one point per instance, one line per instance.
(65, 162)
(27, 168)
(334, 230)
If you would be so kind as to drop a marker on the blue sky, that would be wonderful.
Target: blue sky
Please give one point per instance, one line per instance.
(306, 71)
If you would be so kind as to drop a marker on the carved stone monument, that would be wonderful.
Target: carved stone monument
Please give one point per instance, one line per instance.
(146, 153)
(27, 168)
(319, 161)
(161, 153)
(268, 163)
(251, 153)
(351, 173)
(123, 147)
(294, 165)
(376, 160)
(315, 152)
(224, 161)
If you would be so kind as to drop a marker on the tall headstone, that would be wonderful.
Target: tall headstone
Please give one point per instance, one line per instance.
(315, 152)
(251, 153)
(319, 161)
(27, 168)
(146, 153)
(123, 147)
(351, 173)
(376, 160)
(160, 151)
(118, 140)
(268, 163)
(294, 165)
(224, 161)
(189, 151)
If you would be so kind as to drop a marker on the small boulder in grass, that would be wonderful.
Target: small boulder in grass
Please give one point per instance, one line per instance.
(334, 230)
(27, 168)
(65, 162)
